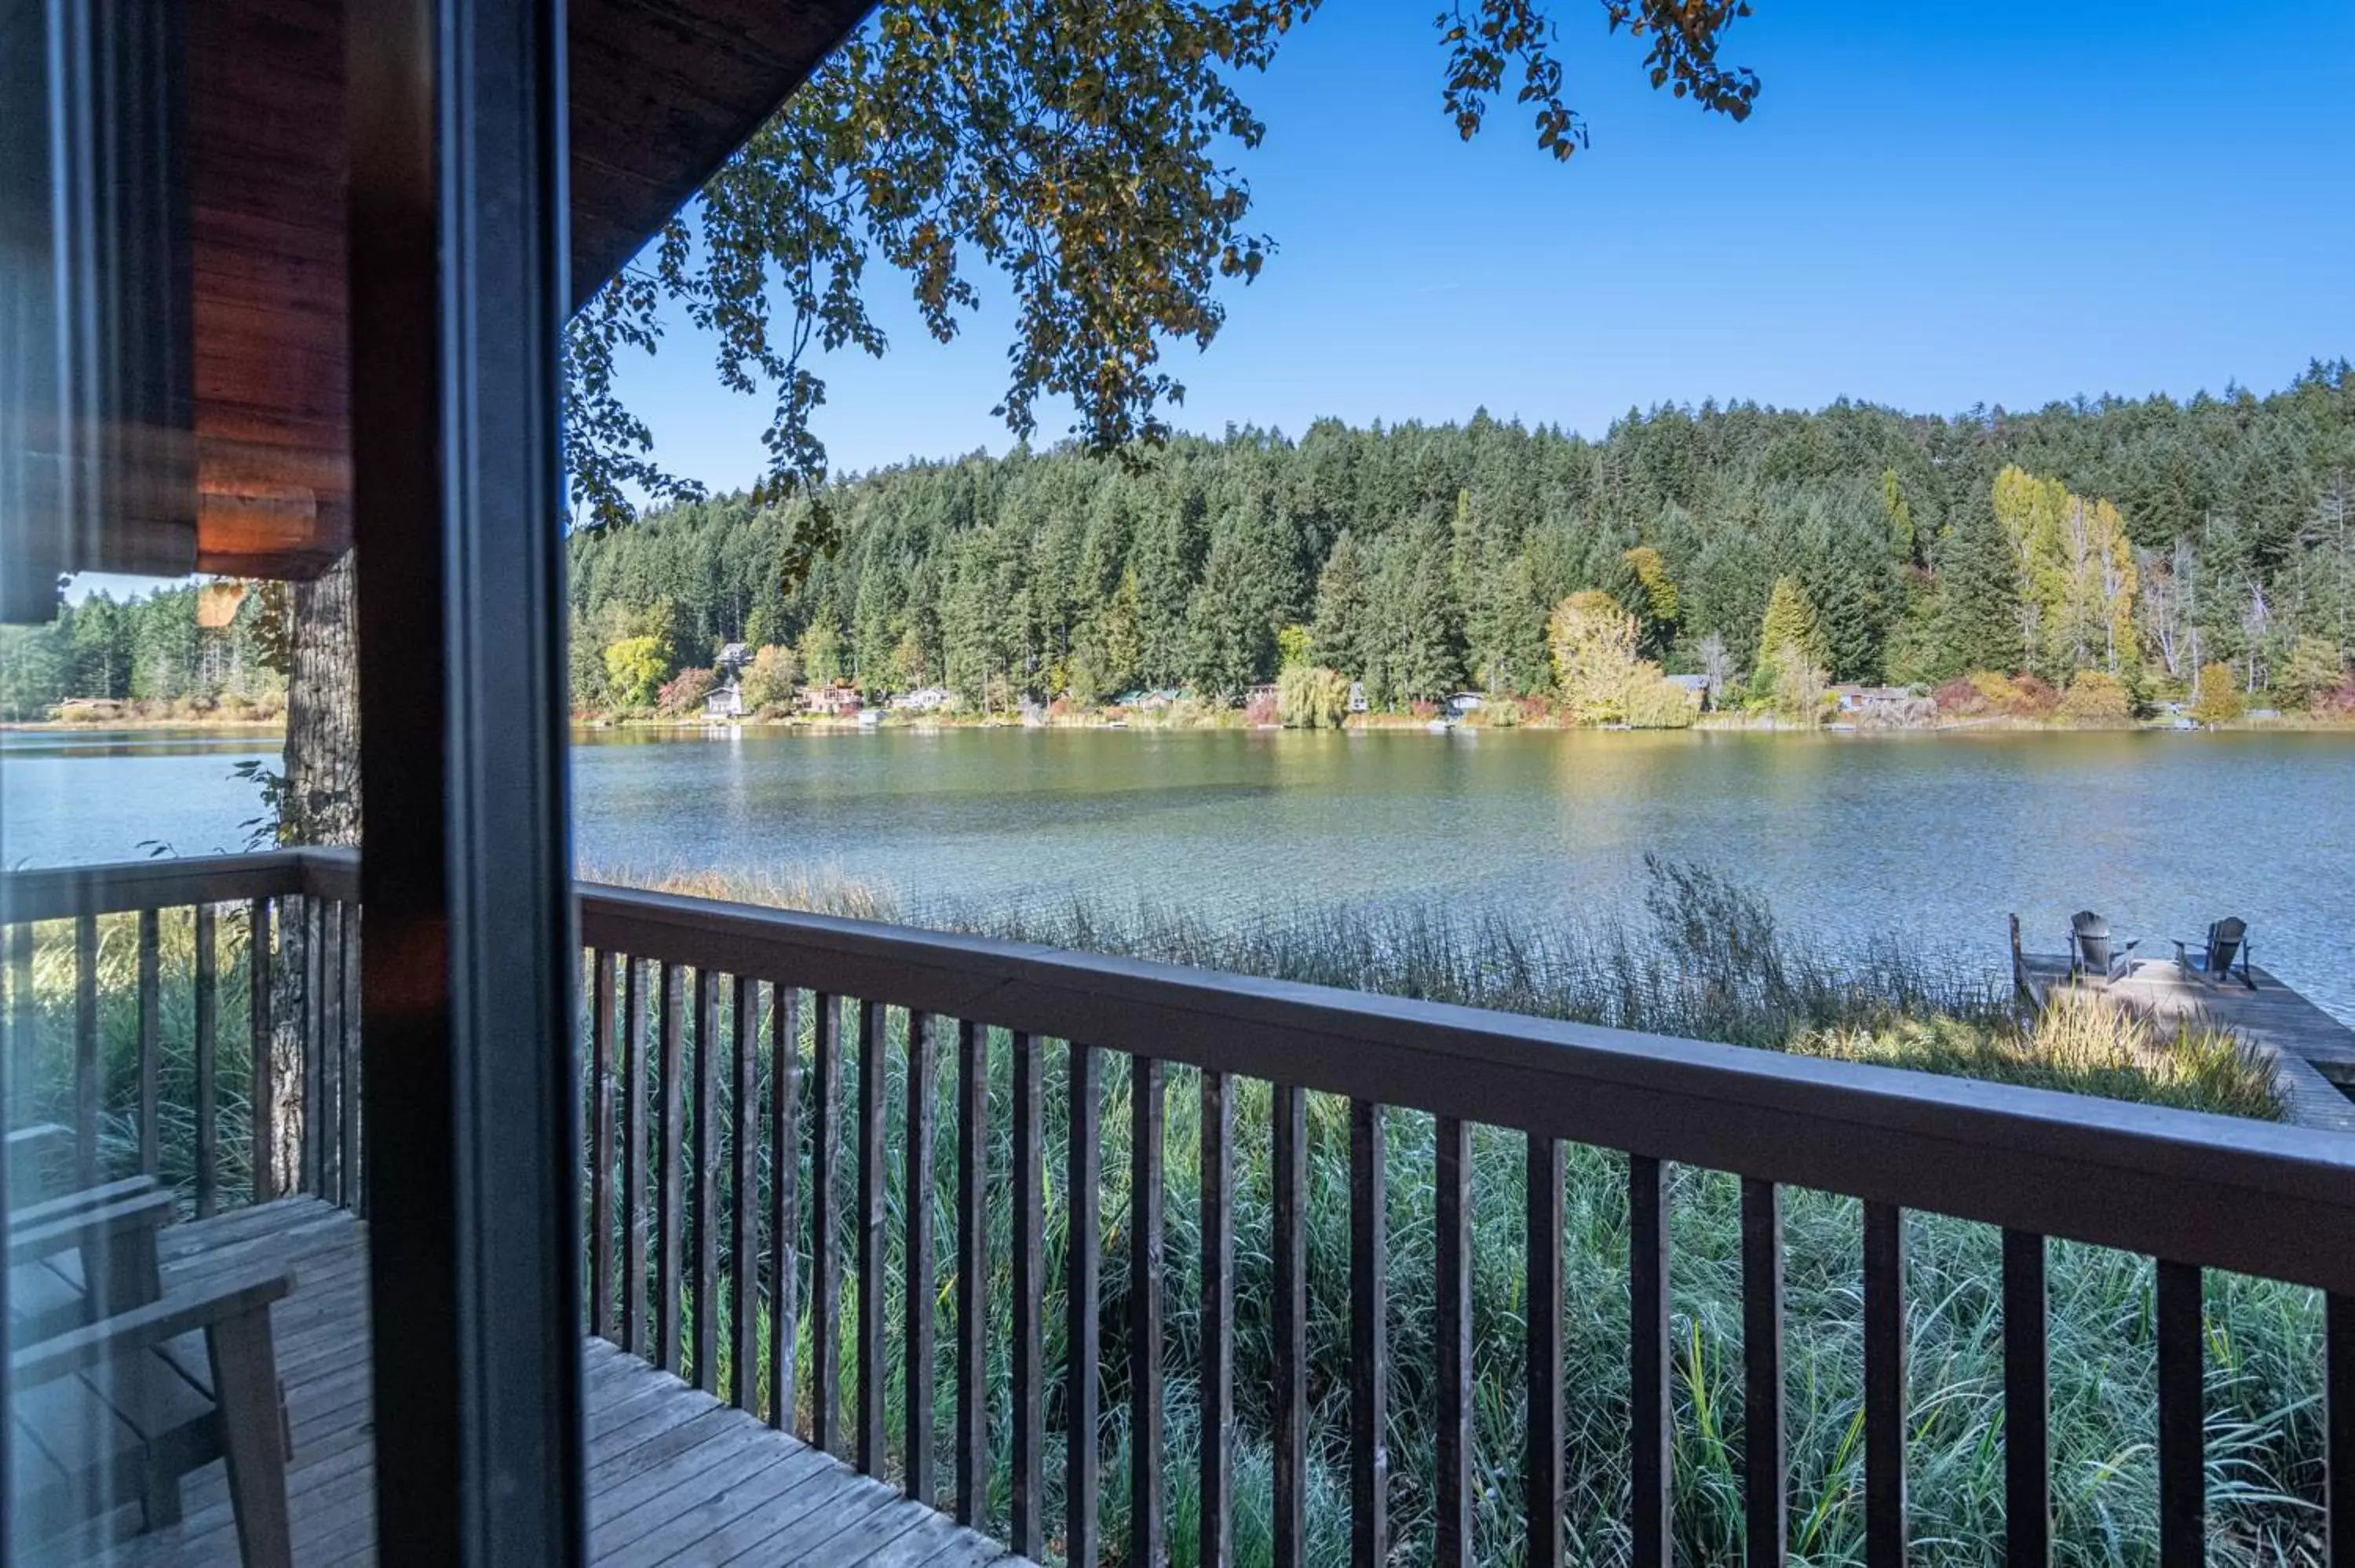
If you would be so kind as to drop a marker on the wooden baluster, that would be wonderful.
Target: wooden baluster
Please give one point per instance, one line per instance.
(1884, 1385)
(2182, 1398)
(784, 1198)
(208, 1044)
(1148, 1088)
(2027, 1403)
(973, 1269)
(670, 1214)
(262, 1092)
(1764, 1469)
(743, 1237)
(1542, 1461)
(24, 1013)
(1290, 1175)
(826, 1258)
(921, 1282)
(872, 1215)
(600, 1144)
(1029, 1535)
(86, 1049)
(707, 1181)
(2338, 1423)
(1082, 1343)
(1370, 1352)
(1452, 1278)
(349, 1037)
(330, 1081)
(1218, 1392)
(1651, 1406)
(315, 1001)
(151, 1047)
(634, 974)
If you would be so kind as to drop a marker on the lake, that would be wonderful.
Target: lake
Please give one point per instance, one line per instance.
(1925, 838)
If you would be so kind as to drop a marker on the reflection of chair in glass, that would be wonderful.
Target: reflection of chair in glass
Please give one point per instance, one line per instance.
(2093, 951)
(119, 1386)
(2227, 942)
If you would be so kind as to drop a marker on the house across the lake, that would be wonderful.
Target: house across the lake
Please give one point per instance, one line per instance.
(1860, 700)
(1467, 703)
(836, 700)
(724, 702)
(923, 700)
(1696, 689)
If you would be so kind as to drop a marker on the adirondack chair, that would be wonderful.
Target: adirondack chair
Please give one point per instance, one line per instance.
(120, 1387)
(2227, 942)
(2093, 950)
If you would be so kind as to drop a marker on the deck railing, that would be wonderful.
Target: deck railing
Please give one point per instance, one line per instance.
(745, 1071)
(276, 933)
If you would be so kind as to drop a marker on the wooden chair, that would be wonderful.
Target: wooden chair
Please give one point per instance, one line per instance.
(2093, 950)
(2227, 941)
(39, 1158)
(121, 1387)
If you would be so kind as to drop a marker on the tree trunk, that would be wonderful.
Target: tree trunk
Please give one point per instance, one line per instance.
(321, 806)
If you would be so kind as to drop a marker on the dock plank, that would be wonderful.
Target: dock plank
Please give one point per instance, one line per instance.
(2314, 1052)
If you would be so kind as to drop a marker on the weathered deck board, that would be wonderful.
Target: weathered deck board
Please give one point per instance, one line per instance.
(2317, 1052)
(675, 1475)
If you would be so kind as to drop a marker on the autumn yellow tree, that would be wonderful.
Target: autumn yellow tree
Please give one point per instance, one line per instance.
(1594, 644)
(1661, 603)
(2077, 567)
(1791, 642)
(2216, 695)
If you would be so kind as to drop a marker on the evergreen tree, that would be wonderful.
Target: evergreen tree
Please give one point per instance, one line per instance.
(1975, 622)
(1342, 635)
(1422, 630)
(1166, 565)
(1231, 623)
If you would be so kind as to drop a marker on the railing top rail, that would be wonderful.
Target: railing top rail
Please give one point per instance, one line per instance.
(2219, 1191)
(166, 881)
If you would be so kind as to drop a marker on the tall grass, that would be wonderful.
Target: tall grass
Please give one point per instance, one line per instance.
(1706, 958)
(44, 1021)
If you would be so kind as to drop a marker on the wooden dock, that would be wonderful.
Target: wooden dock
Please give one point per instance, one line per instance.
(675, 1475)
(2315, 1052)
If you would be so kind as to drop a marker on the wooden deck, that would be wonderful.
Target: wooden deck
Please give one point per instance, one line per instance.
(2316, 1051)
(675, 1476)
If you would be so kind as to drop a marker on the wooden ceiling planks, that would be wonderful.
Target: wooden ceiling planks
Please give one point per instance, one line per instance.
(663, 91)
(267, 178)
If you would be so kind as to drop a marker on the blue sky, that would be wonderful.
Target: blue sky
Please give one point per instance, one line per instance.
(1936, 204)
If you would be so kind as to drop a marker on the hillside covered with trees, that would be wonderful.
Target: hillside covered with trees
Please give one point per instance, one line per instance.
(2140, 539)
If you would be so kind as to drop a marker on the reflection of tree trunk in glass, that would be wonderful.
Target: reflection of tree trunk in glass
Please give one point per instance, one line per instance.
(321, 806)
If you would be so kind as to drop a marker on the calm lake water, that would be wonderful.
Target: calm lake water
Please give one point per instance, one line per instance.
(1929, 839)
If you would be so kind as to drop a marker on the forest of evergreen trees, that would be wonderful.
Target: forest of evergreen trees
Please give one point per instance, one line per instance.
(2142, 538)
(149, 651)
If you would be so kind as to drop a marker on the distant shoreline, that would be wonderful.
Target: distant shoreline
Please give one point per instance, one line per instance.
(1400, 724)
